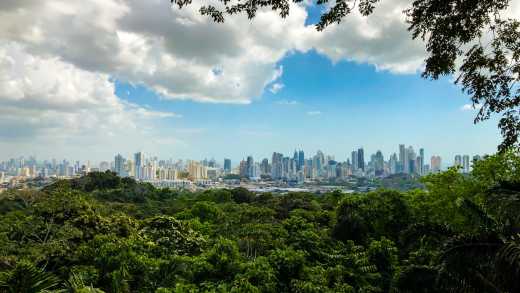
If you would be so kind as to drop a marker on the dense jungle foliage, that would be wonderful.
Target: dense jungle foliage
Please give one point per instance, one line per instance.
(102, 233)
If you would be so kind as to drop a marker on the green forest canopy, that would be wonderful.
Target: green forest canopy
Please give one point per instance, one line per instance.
(102, 233)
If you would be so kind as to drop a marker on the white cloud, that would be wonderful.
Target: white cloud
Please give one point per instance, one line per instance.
(183, 55)
(314, 113)
(44, 101)
(276, 87)
(287, 102)
(382, 39)
(470, 107)
(58, 59)
(178, 53)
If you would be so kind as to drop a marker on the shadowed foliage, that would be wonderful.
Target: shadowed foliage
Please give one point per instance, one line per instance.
(100, 233)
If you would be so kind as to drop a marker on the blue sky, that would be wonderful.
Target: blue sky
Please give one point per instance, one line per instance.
(133, 75)
(326, 106)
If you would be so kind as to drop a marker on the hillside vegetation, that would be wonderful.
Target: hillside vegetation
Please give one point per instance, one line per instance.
(102, 233)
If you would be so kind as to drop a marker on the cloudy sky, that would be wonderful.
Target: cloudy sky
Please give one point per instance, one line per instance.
(92, 78)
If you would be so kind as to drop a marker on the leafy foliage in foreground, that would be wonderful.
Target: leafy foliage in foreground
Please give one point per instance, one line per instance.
(101, 233)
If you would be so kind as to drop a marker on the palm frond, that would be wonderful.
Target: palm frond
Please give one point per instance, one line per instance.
(26, 277)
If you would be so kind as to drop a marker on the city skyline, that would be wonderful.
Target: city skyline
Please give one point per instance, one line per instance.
(358, 157)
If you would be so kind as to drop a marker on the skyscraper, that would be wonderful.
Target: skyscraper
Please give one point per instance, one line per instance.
(354, 161)
(276, 166)
(379, 164)
(139, 164)
(402, 158)
(465, 164)
(242, 168)
(227, 166)
(321, 161)
(264, 167)
(197, 170)
(409, 162)
(435, 164)
(250, 165)
(421, 162)
(301, 160)
(393, 163)
(361, 159)
(458, 161)
(119, 165)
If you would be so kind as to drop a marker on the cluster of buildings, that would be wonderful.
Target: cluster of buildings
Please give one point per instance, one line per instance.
(297, 168)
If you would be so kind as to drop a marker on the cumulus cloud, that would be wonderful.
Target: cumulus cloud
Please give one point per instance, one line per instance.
(48, 101)
(381, 39)
(178, 53)
(183, 55)
(58, 60)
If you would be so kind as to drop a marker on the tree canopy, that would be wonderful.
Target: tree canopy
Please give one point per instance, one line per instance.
(100, 233)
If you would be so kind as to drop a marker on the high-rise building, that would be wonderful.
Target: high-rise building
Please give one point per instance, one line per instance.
(285, 167)
(354, 161)
(435, 164)
(421, 162)
(301, 160)
(393, 164)
(197, 170)
(212, 163)
(379, 164)
(361, 159)
(167, 174)
(308, 169)
(402, 158)
(139, 164)
(320, 164)
(276, 165)
(250, 167)
(465, 164)
(242, 168)
(103, 166)
(409, 162)
(295, 158)
(227, 166)
(458, 161)
(264, 167)
(119, 165)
